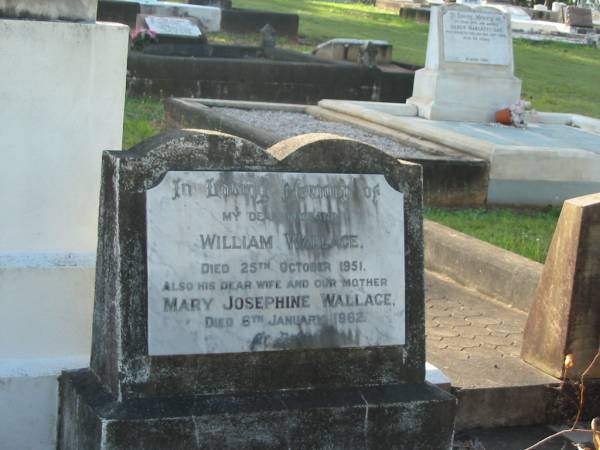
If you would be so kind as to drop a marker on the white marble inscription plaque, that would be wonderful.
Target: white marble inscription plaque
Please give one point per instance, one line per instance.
(258, 261)
(476, 37)
(172, 26)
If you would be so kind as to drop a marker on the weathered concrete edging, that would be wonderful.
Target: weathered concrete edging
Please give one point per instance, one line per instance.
(181, 114)
(490, 270)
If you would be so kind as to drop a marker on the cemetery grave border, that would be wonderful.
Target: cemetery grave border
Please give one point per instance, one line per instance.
(451, 178)
(246, 72)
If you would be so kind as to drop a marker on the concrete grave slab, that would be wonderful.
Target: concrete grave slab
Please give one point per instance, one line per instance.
(351, 50)
(555, 158)
(539, 26)
(452, 178)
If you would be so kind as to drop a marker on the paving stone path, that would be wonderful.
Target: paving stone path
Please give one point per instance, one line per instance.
(474, 340)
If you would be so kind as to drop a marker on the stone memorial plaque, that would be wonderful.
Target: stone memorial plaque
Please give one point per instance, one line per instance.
(259, 261)
(476, 37)
(172, 26)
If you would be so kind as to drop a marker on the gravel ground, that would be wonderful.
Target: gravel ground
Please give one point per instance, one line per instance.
(289, 124)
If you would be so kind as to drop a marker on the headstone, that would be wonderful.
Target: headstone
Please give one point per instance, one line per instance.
(67, 10)
(172, 26)
(469, 2)
(575, 16)
(209, 17)
(468, 73)
(564, 317)
(368, 55)
(353, 49)
(125, 11)
(558, 6)
(268, 37)
(257, 299)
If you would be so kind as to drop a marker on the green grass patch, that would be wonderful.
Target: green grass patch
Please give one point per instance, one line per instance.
(321, 21)
(527, 233)
(143, 118)
(556, 77)
(559, 77)
(300, 45)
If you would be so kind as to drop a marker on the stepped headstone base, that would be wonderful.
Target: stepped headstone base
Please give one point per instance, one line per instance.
(400, 416)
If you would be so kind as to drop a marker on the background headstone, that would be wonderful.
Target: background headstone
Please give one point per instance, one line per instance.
(575, 16)
(190, 223)
(564, 318)
(268, 37)
(351, 50)
(468, 73)
(558, 6)
(125, 11)
(469, 2)
(172, 26)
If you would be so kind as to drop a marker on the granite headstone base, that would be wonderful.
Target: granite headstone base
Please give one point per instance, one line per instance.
(399, 416)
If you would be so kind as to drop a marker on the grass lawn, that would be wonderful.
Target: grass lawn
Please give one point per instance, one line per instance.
(527, 233)
(143, 118)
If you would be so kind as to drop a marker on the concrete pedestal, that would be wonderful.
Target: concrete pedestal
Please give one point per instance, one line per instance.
(460, 95)
(62, 89)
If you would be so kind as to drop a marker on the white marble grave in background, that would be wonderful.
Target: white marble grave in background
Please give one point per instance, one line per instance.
(468, 73)
(259, 261)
